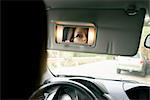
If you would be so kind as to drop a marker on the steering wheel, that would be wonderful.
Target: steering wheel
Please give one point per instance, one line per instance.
(63, 90)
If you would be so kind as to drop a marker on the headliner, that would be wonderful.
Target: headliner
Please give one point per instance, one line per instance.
(99, 4)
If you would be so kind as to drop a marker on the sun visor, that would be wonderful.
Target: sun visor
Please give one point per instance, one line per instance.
(101, 31)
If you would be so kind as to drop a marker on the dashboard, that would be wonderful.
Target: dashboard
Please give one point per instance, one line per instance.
(82, 88)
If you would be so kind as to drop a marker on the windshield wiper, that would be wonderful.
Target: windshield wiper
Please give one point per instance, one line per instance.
(131, 81)
(75, 76)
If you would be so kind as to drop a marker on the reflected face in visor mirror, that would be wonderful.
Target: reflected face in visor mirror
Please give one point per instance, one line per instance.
(80, 35)
(75, 35)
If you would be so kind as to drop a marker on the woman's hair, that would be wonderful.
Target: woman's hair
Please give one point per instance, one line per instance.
(25, 29)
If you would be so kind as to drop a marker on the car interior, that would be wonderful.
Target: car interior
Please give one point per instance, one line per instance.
(33, 27)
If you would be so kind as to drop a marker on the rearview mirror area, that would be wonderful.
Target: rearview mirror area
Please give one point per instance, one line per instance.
(69, 33)
(147, 41)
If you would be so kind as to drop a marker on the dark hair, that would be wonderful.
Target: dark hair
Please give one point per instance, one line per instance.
(24, 47)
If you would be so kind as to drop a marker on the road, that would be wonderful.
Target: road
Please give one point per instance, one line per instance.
(103, 69)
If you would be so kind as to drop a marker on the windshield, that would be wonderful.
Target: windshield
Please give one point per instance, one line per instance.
(103, 66)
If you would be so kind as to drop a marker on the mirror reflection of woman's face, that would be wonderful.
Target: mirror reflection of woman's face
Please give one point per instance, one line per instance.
(80, 35)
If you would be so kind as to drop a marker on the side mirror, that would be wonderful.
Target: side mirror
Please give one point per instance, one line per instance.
(147, 41)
